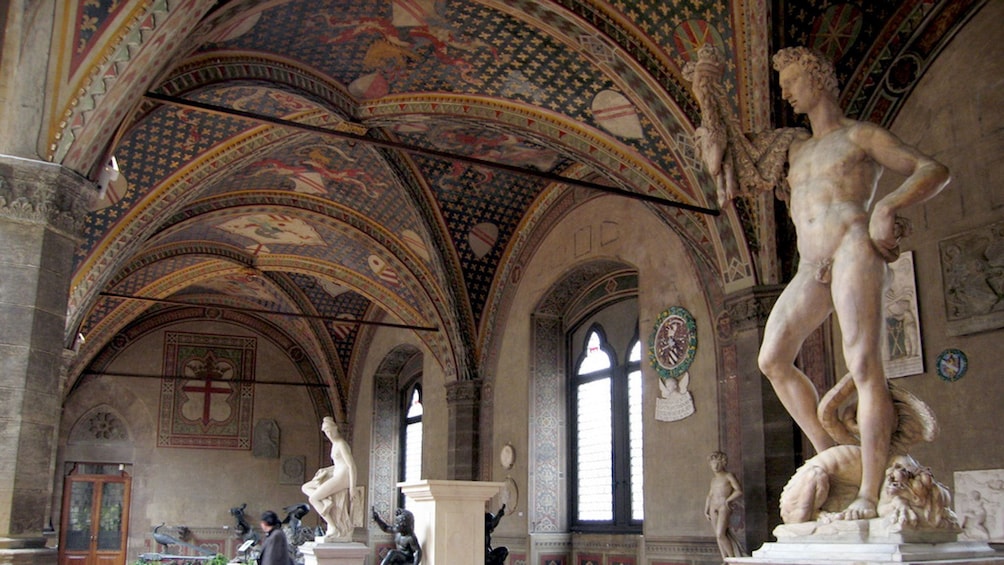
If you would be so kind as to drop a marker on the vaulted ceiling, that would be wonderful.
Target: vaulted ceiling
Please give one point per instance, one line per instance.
(388, 162)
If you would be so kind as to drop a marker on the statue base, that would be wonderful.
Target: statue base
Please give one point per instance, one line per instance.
(339, 553)
(868, 542)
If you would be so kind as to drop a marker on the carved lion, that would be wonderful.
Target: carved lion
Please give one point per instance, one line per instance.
(911, 497)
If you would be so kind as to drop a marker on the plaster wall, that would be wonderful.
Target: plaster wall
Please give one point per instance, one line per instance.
(954, 115)
(197, 487)
(676, 472)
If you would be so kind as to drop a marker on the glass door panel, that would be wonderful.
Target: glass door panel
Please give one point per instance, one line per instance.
(78, 532)
(110, 517)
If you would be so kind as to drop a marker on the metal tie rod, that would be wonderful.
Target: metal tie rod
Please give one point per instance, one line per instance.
(349, 136)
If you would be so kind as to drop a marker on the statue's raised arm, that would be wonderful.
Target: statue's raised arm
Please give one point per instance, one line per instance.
(741, 164)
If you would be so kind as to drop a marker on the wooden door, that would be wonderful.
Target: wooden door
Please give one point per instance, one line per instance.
(95, 519)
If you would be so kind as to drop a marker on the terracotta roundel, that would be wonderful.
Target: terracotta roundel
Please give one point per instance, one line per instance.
(673, 343)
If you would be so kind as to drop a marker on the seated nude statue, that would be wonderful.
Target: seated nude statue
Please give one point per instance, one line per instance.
(331, 490)
(844, 238)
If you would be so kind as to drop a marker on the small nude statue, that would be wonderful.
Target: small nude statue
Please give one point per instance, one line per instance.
(407, 550)
(718, 506)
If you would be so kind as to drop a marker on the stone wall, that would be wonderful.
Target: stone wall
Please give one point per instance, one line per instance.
(955, 115)
(187, 486)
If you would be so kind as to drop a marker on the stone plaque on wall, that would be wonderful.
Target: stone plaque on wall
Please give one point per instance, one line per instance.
(902, 354)
(972, 267)
(979, 504)
(266, 439)
(291, 472)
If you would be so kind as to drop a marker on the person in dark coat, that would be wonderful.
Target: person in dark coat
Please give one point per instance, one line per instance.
(275, 548)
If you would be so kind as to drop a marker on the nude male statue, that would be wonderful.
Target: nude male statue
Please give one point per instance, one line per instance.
(844, 241)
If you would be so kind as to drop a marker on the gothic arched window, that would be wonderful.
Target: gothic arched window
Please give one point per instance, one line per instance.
(606, 455)
(411, 436)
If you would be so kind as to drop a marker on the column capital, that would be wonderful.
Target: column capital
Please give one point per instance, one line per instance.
(749, 307)
(463, 391)
(39, 192)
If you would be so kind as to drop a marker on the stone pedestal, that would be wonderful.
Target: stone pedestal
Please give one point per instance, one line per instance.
(450, 519)
(953, 553)
(342, 553)
(868, 542)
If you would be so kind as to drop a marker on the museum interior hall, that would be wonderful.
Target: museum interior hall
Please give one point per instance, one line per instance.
(521, 246)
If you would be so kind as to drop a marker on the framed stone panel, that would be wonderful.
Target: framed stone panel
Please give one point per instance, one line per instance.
(902, 354)
(292, 470)
(979, 504)
(972, 268)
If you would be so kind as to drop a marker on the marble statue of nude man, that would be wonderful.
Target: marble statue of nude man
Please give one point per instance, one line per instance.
(844, 241)
(844, 236)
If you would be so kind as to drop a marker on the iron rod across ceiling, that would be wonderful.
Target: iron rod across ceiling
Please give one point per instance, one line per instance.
(194, 378)
(387, 144)
(272, 312)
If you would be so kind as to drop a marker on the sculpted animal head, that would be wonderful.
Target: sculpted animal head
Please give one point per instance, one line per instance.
(912, 497)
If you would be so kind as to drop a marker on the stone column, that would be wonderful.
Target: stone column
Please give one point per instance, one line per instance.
(42, 208)
(464, 400)
(766, 431)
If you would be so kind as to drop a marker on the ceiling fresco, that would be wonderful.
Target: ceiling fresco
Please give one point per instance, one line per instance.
(295, 156)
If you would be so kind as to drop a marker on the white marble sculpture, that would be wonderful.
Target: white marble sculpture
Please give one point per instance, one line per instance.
(333, 492)
(723, 492)
(845, 238)
(675, 401)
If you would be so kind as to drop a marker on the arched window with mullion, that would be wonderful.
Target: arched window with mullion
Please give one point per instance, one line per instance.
(411, 437)
(606, 426)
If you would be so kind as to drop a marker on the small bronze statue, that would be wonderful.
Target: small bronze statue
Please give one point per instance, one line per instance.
(494, 556)
(408, 551)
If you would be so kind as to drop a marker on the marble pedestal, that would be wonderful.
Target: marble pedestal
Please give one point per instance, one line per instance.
(868, 542)
(335, 553)
(450, 519)
(43, 556)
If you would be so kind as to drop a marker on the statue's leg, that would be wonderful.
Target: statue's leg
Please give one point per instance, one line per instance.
(858, 280)
(800, 309)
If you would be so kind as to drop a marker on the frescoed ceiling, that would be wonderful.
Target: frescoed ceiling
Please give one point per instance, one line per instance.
(334, 158)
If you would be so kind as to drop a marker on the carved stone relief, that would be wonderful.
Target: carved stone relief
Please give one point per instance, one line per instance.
(972, 268)
(266, 439)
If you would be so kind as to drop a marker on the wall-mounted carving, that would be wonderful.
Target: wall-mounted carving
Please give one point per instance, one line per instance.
(972, 268)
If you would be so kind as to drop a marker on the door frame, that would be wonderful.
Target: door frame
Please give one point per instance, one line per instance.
(93, 555)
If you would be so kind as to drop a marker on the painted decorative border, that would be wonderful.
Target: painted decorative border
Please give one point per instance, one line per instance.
(210, 431)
